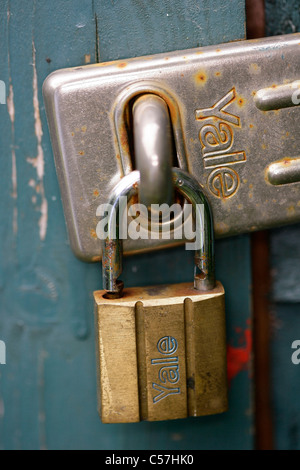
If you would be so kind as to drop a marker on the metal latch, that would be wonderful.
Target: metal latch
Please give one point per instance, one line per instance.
(235, 124)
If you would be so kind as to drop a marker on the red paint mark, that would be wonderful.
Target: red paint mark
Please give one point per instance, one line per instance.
(238, 357)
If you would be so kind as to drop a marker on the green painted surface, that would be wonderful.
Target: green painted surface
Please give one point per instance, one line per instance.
(48, 386)
(282, 16)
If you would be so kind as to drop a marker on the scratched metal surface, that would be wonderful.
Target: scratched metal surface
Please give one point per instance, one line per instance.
(48, 385)
(284, 17)
(89, 140)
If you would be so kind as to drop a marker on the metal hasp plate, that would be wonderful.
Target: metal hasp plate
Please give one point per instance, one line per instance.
(235, 122)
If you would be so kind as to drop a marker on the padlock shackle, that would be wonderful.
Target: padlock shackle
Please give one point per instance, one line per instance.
(190, 189)
(153, 149)
(112, 253)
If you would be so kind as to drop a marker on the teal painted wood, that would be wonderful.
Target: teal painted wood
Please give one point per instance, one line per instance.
(48, 386)
(282, 18)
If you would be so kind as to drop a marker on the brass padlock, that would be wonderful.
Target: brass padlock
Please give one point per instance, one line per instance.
(161, 349)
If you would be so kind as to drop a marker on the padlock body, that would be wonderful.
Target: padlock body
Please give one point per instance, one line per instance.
(161, 353)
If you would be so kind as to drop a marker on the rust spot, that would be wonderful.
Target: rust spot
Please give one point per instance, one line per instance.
(173, 112)
(166, 58)
(135, 198)
(273, 86)
(253, 93)
(287, 133)
(222, 227)
(241, 102)
(218, 50)
(182, 74)
(254, 68)
(84, 128)
(199, 52)
(121, 65)
(102, 64)
(93, 233)
(201, 77)
(72, 134)
(96, 193)
(162, 291)
(124, 139)
(217, 74)
(118, 156)
(291, 210)
(172, 109)
(251, 126)
(81, 152)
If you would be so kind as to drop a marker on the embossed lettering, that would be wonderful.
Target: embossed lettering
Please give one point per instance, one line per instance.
(213, 161)
(217, 110)
(223, 182)
(164, 392)
(217, 140)
(168, 371)
(169, 374)
(167, 345)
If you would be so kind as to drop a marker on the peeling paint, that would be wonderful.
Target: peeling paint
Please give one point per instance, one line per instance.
(38, 162)
(11, 111)
(10, 103)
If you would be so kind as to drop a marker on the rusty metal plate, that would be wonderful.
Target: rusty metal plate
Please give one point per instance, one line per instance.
(235, 121)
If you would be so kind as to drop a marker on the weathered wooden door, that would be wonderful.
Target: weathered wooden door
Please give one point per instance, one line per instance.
(48, 384)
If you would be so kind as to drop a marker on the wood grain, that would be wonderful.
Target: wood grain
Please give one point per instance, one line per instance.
(48, 386)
